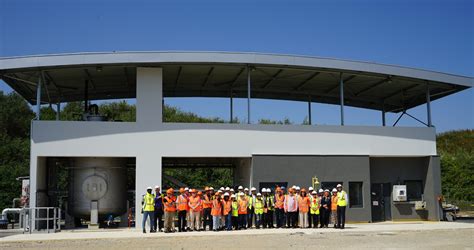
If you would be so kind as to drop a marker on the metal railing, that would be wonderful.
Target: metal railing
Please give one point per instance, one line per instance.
(41, 219)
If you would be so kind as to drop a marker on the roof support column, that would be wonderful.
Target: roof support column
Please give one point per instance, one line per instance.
(149, 96)
(58, 110)
(428, 104)
(38, 98)
(309, 110)
(383, 115)
(249, 83)
(231, 106)
(341, 93)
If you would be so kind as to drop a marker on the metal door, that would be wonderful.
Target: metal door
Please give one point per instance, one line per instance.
(380, 194)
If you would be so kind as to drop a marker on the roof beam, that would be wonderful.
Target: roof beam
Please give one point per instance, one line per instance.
(50, 79)
(399, 92)
(273, 78)
(303, 83)
(376, 84)
(89, 77)
(178, 76)
(208, 76)
(346, 80)
(233, 81)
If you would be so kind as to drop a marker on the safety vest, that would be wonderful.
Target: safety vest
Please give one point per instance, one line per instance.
(293, 207)
(149, 202)
(227, 207)
(207, 202)
(243, 205)
(250, 199)
(169, 203)
(269, 202)
(258, 206)
(314, 208)
(182, 203)
(216, 208)
(196, 203)
(334, 203)
(279, 201)
(235, 209)
(341, 198)
(303, 204)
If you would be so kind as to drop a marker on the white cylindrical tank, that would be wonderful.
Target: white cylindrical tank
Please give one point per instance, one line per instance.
(101, 179)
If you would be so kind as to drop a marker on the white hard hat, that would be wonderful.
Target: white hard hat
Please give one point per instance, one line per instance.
(148, 188)
(240, 187)
(211, 188)
(314, 192)
(264, 190)
(241, 193)
(326, 190)
(259, 194)
(253, 189)
(226, 194)
(246, 189)
(222, 188)
(320, 190)
(157, 187)
(186, 189)
(232, 190)
(232, 196)
(227, 189)
(294, 187)
(310, 189)
(298, 188)
(339, 185)
(334, 190)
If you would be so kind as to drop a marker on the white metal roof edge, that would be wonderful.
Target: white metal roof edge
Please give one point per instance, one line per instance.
(103, 58)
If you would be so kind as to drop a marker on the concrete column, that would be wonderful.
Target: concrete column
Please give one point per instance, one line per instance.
(38, 184)
(149, 96)
(432, 188)
(148, 173)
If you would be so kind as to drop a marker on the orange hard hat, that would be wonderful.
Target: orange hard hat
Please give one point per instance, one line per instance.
(199, 193)
(192, 190)
(206, 188)
(303, 190)
(170, 191)
(181, 190)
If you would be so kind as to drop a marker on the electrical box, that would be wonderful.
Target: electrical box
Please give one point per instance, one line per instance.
(399, 193)
(420, 205)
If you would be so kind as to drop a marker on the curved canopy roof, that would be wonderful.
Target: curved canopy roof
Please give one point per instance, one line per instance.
(218, 74)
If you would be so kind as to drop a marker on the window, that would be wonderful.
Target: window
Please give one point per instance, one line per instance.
(414, 190)
(355, 194)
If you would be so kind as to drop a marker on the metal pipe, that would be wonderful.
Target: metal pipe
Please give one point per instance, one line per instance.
(428, 104)
(14, 201)
(309, 111)
(38, 98)
(7, 211)
(341, 93)
(248, 94)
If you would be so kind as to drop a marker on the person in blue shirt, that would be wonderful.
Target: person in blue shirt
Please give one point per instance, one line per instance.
(158, 210)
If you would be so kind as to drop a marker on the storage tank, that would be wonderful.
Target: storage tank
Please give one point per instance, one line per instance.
(100, 179)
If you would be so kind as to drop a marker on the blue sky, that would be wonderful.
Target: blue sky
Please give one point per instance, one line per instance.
(429, 34)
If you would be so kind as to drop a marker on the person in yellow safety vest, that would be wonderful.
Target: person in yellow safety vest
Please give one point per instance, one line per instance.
(250, 213)
(314, 208)
(235, 212)
(341, 206)
(258, 210)
(269, 204)
(148, 209)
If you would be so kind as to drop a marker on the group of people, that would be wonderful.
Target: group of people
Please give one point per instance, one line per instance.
(226, 209)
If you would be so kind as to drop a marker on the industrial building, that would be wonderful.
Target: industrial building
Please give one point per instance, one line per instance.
(389, 172)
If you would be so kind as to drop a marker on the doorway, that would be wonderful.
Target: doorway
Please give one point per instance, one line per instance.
(380, 193)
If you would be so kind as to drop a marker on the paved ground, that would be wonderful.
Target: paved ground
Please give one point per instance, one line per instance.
(419, 235)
